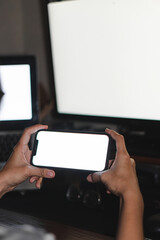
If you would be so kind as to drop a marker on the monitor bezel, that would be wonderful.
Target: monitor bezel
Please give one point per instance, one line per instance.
(127, 124)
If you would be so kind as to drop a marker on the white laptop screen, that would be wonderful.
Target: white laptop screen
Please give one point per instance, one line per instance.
(18, 92)
(16, 101)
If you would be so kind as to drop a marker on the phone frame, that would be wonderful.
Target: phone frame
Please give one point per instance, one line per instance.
(34, 149)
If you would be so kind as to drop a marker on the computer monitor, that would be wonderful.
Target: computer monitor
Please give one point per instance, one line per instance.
(18, 92)
(105, 58)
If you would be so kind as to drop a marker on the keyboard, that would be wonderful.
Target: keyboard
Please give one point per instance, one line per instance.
(7, 143)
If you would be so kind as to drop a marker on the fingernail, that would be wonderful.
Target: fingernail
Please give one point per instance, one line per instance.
(50, 174)
(32, 180)
(89, 178)
(38, 186)
(107, 130)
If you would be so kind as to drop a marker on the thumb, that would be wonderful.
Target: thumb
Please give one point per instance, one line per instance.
(99, 177)
(94, 177)
(41, 172)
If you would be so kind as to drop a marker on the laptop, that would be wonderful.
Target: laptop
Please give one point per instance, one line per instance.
(18, 100)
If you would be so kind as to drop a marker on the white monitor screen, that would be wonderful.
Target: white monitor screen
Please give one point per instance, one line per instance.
(15, 83)
(106, 57)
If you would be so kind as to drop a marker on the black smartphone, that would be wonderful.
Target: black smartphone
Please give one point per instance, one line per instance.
(70, 150)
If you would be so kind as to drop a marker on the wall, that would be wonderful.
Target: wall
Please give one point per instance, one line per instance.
(22, 32)
(11, 27)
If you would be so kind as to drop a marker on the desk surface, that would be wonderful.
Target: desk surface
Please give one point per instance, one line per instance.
(147, 160)
(63, 215)
(71, 233)
(62, 231)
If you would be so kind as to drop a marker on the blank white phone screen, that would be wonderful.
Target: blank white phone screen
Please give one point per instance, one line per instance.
(71, 150)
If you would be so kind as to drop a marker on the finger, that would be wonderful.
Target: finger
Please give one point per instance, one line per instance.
(133, 165)
(33, 179)
(99, 177)
(133, 162)
(39, 183)
(41, 172)
(119, 139)
(108, 192)
(28, 155)
(94, 177)
(29, 131)
(110, 163)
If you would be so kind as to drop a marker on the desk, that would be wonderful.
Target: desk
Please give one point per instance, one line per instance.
(74, 220)
(62, 231)
(147, 160)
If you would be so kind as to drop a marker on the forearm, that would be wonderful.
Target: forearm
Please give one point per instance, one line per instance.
(3, 188)
(4, 183)
(131, 217)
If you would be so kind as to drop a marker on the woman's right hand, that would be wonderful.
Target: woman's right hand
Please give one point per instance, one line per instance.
(120, 178)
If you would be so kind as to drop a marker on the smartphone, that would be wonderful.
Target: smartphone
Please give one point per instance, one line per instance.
(70, 150)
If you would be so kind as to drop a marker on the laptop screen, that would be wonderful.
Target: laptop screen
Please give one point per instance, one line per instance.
(18, 97)
(16, 92)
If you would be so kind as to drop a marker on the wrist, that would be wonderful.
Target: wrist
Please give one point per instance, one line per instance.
(3, 184)
(131, 215)
(133, 198)
(2, 188)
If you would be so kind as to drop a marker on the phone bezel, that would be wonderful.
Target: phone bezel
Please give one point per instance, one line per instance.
(34, 146)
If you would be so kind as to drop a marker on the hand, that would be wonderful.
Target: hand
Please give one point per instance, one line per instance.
(121, 178)
(18, 168)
